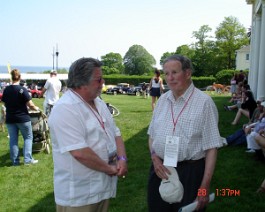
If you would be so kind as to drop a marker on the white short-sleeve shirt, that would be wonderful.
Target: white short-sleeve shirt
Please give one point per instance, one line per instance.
(53, 87)
(73, 126)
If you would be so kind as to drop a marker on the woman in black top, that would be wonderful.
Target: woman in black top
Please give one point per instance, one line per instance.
(17, 100)
(247, 107)
(156, 87)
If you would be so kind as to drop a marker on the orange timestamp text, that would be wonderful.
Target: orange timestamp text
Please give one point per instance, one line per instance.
(220, 192)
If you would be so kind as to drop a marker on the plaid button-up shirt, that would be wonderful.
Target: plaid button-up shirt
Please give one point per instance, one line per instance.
(196, 124)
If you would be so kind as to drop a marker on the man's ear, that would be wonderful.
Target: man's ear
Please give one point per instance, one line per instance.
(188, 73)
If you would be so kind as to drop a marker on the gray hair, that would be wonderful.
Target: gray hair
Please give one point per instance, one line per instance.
(80, 72)
(185, 62)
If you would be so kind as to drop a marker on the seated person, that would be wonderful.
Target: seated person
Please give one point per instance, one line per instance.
(252, 145)
(260, 138)
(239, 137)
(259, 142)
(247, 107)
(238, 98)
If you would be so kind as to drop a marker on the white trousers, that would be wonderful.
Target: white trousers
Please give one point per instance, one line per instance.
(251, 143)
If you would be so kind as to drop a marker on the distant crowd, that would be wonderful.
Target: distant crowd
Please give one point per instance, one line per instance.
(252, 133)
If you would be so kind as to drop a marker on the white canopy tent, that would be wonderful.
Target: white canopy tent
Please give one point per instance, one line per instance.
(34, 76)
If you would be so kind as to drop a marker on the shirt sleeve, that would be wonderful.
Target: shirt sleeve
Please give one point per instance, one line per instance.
(26, 95)
(67, 129)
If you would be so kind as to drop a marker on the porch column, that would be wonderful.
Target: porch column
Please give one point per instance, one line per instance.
(255, 51)
(261, 68)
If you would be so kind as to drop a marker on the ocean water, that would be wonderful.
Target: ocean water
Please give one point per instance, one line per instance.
(27, 69)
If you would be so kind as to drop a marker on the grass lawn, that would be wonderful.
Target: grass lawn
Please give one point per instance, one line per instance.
(30, 188)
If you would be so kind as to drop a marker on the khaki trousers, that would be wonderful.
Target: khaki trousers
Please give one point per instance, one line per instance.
(97, 207)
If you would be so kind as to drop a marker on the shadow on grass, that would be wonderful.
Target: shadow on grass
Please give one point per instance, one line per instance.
(45, 204)
(140, 111)
(131, 193)
(5, 158)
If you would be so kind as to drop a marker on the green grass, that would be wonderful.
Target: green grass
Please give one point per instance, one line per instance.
(30, 188)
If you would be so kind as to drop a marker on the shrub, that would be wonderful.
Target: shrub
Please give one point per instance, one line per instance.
(202, 82)
(199, 82)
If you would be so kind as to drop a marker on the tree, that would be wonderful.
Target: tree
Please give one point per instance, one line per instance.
(203, 57)
(112, 63)
(138, 61)
(202, 36)
(186, 50)
(231, 36)
(182, 50)
(164, 56)
(59, 71)
(107, 70)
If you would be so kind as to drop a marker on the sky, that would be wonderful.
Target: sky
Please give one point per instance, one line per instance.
(31, 29)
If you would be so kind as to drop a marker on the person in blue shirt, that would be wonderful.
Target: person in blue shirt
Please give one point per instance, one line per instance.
(17, 100)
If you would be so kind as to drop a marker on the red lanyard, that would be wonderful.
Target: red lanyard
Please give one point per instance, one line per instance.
(172, 113)
(96, 114)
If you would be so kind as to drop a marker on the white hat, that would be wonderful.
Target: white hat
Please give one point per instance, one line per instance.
(171, 190)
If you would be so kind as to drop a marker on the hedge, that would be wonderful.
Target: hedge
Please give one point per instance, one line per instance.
(200, 82)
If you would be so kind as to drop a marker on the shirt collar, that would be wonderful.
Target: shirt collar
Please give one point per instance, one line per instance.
(184, 96)
(75, 98)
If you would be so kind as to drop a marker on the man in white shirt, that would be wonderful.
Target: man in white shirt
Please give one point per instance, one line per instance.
(52, 90)
(88, 150)
(183, 134)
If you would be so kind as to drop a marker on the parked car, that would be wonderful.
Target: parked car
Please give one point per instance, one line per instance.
(106, 87)
(137, 90)
(34, 93)
(121, 88)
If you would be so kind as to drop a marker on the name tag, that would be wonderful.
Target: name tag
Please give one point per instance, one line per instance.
(171, 151)
(112, 158)
(112, 150)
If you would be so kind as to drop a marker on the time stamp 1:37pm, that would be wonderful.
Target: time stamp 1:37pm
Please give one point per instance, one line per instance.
(222, 192)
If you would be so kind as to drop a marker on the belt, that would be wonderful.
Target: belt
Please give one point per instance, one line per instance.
(189, 161)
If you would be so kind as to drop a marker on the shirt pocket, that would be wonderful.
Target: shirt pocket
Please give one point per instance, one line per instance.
(191, 126)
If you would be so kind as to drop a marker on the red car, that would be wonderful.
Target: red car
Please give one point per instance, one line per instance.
(34, 93)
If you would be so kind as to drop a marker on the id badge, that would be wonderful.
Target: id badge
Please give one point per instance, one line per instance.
(112, 158)
(112, 151)
(171, 151)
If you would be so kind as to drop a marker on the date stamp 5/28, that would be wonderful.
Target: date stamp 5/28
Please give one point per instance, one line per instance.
(222, 192)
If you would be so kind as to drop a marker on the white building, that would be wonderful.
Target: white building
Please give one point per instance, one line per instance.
(257, 48)
(242, 58)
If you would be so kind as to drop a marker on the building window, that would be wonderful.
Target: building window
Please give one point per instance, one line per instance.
(247, 56)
